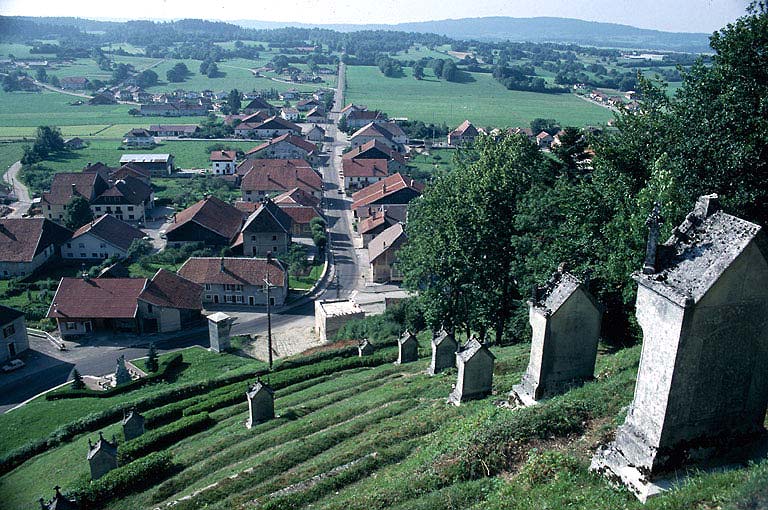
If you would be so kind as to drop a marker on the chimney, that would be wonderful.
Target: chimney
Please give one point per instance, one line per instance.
(221, 264)
(74, 189)
(174, 217)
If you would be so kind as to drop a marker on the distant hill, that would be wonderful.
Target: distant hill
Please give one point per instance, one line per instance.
(543, 29)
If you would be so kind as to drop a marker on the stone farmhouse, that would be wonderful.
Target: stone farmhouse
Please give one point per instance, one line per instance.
(211, 221)
(223, 162)
(395, 192)
(269, 177)
(359, 173)
(102, 238)
(13, 333)
(382, 254)
(377, 150)
(287, 146)
(28, 243)
(237, 280)
(465, 133)
(267, 230)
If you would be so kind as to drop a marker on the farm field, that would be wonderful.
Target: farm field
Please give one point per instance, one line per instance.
(9, 154)
(483, 101)
(360, 433)
(188, 154)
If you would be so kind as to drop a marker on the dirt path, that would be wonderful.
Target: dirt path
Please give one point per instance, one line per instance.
(23, 200)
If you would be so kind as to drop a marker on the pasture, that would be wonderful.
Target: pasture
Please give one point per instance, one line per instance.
(480, 99)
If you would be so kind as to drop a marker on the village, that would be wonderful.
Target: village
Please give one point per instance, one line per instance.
(282, 295)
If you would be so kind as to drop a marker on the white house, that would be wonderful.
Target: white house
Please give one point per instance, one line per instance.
(223, 162)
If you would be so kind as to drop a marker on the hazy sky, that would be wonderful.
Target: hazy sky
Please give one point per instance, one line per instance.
(669, 15)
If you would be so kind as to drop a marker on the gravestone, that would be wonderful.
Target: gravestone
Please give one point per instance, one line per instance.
(102, 456)
(702, 388)
(407, 348)
(133, 425)
(444, 347)
(565, 320)
(475, 377)
(219, 326)
(261, 404)
(121, 373)
(59, 502)
(365, 348)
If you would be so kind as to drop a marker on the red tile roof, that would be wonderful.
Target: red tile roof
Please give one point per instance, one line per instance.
(242, 271)
(300, 214)
(364, 167)
(23, 238)
(465, 127)
(279, 174)
(309, 147)
(365, 115)
(383, 188)
(128, 190)
(112, 230)
(374, 130)
(88, 185)
(130, 169)
(212, 214)
(373, 146)
(223, 155)
(95, 298)
(297, 196)
(393, 236)
(376, 219)
(173, 291)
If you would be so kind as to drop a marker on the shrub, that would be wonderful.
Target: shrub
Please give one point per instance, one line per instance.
(124, 480)
(162, 437)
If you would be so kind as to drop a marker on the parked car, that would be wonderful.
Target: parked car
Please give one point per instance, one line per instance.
(12, 365)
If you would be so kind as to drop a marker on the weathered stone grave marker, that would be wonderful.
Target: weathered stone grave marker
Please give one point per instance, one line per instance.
(444, 347)
(133, 425)
(261, 404)
(565, 319)
(121, 372)
(219, 326)
(365, 348)
(475, 377)
(702, 388)
(408, 348)
(59, 502)
(102, 456)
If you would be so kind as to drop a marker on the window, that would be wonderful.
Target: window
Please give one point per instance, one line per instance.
(239, 299)
(9, 330)
(207, 297)
(71, 325)
(130, 208)
(69, 245)
(274, 249)
(68, 255)
(83, 255)
(49, 207)
(149, 308)
(207, 286)
(81, 245)
(130, 216)
(94, 255)
(98, 208)
(253, 238)
(274, 238)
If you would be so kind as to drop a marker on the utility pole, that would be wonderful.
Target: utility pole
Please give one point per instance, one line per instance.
(338, 286)
(269, 312)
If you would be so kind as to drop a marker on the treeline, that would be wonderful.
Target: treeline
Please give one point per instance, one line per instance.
(525, 213)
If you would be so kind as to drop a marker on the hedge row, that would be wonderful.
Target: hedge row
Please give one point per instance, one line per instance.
(173, 361)
(162, 437)
(124, 480)
(101, 419)
(286, 378)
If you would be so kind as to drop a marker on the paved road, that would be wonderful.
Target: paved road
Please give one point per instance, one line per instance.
(23, 200)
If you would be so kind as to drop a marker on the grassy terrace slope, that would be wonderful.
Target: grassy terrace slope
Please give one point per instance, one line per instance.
(378, 436)
(481, 99)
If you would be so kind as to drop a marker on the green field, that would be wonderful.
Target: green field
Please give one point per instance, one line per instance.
(9, 154)
(187, 154)
(367, 437)
(483, 101)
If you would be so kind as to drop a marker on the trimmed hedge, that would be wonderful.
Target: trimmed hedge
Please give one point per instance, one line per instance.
(124, 480)
(173, 361)
(162, 437)
(278, 380)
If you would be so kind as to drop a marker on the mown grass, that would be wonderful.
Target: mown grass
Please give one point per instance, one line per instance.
(480, 99)
(9, 154)
(383, 437)
(305, 282)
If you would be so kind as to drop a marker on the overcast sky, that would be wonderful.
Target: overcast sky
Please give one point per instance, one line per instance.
(668, 15)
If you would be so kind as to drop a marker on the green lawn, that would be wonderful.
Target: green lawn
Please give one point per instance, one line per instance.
(20, 51)
(305, 282)
(9, 154)
(187, 154)
(482, 100)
